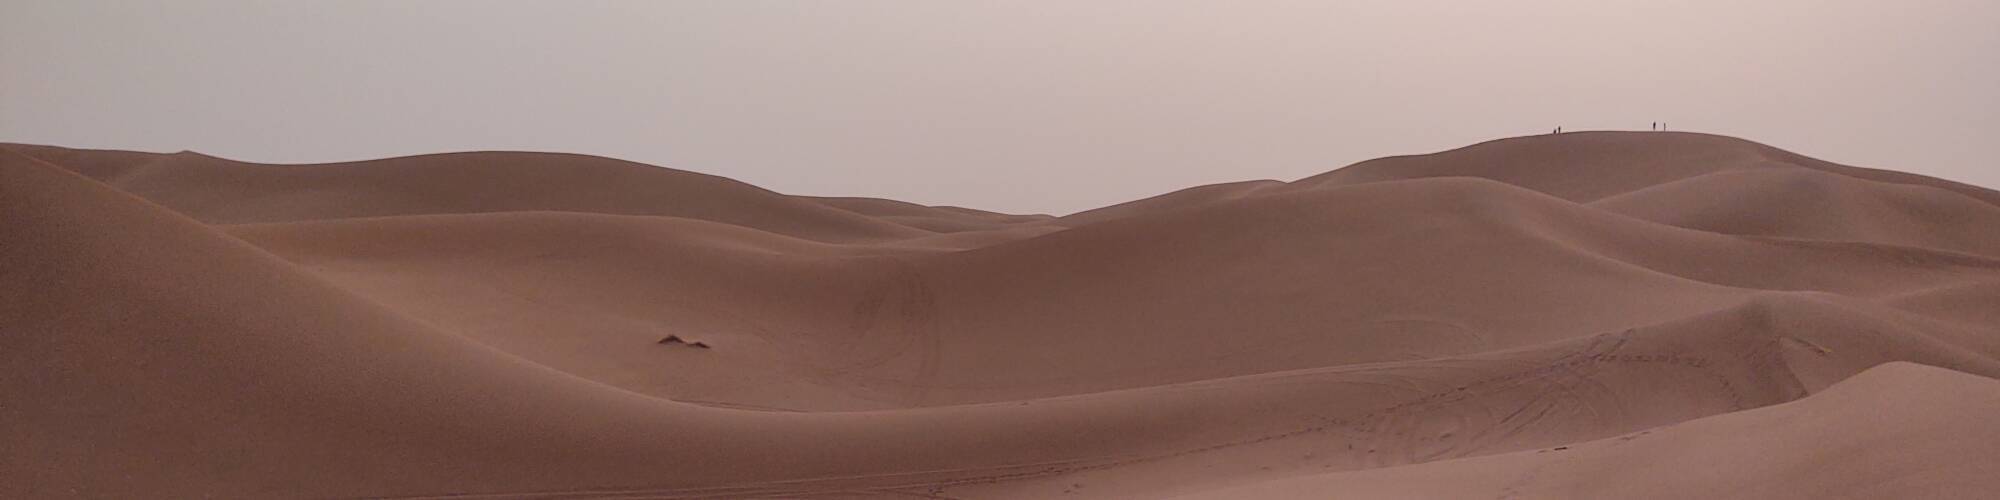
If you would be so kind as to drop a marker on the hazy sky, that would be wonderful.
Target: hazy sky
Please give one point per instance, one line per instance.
(1015, 106)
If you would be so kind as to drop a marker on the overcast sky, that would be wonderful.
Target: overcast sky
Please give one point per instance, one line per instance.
(1014, 106)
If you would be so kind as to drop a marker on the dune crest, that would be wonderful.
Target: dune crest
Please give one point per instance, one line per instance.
(1586, 315)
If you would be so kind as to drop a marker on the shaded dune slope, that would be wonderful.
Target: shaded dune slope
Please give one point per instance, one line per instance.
(490, 323)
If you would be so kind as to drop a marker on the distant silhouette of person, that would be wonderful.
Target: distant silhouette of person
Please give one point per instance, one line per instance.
(1559, 129)
(1656, 126)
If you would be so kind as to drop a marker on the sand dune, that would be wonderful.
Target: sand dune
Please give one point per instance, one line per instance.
(216, 190)
(1812, 204)
(1900, 430)
(1590, 315)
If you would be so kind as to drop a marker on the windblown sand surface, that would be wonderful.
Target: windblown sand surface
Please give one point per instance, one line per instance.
(1590, 315)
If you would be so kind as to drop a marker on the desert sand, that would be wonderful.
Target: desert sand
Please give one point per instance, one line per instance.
(1585, 315)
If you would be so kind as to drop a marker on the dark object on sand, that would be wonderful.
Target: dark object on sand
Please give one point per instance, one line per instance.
(676, 339)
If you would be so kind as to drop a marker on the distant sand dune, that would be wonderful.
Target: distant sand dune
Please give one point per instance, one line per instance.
(1590, 315)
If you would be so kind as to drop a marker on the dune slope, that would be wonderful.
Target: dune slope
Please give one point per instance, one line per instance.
(1900, 430)
(1590, 315)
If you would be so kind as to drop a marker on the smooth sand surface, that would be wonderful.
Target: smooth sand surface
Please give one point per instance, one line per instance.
(1585, 315)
